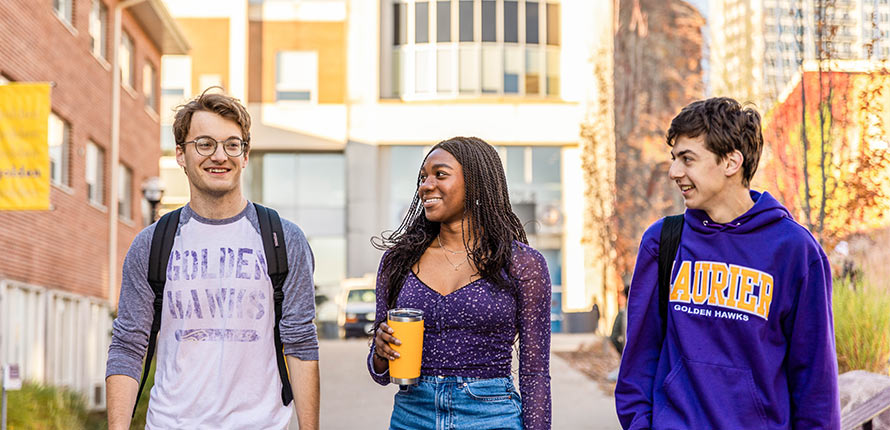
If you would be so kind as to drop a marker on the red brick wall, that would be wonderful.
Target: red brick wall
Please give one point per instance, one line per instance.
(67, 247)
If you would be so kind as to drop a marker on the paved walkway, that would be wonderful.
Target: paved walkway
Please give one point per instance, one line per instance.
(351, 400)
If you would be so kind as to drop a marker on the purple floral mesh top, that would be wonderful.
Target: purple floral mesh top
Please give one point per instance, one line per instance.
(470, 331)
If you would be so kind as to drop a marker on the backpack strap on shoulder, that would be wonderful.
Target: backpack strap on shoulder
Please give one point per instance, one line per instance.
(276, 262)
(671, 232)
(158, 257)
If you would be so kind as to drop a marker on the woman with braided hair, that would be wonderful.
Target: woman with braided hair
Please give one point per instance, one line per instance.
(461, 256)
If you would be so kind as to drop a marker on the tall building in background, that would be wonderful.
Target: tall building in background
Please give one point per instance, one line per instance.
(757, 45)
(346, 96)
(58, 285)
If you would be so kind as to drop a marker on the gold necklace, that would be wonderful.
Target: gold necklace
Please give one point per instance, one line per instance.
(456, 267)
(438, 239)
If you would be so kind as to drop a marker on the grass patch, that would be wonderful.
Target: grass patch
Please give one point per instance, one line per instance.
(861, 326)
(41, 407)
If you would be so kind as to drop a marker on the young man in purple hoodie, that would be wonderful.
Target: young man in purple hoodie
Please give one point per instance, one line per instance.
(749, 337)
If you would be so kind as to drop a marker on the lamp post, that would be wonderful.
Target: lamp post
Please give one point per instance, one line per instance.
(153, 190)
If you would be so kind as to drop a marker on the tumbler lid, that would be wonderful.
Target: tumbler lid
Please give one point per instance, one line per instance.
(405, 315)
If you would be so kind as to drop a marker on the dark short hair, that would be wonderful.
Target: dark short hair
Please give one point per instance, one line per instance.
(726, 125)
(225, 106)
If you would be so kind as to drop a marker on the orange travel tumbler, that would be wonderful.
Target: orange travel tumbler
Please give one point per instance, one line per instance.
(407, 326)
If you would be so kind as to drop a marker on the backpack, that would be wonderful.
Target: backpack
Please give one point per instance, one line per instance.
(276, 262)
(671, 231)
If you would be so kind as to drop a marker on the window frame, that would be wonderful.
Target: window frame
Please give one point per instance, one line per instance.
(410, 79)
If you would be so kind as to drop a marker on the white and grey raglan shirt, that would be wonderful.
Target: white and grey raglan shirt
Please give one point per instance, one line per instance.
(216, 366)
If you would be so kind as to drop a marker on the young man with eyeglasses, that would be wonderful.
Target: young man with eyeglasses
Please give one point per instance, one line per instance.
(216, 359)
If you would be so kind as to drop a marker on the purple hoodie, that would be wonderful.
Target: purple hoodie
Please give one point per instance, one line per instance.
(750, 337)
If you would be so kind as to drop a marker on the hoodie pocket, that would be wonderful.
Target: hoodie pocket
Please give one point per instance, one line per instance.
(709, 396)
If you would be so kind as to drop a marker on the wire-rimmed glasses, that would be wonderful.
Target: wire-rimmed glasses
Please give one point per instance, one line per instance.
(206, 146)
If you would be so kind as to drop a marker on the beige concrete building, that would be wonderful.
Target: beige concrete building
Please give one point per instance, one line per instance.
(347, 95)
(758, 45)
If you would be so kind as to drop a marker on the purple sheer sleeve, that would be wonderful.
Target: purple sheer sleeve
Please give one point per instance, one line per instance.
(534, 296)
(380, 378)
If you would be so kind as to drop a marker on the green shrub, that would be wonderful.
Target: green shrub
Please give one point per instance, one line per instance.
(861, 326)
(40, 407)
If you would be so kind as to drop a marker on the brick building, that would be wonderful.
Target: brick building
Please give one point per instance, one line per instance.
(59, 269)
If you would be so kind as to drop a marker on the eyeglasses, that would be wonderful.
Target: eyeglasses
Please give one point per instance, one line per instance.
(206, 146)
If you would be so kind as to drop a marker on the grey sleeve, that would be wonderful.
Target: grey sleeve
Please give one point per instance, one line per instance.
(298, 333)
(130, 330)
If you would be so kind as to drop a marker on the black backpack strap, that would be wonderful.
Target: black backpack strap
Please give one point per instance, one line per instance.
(161, 245)
(276, 263)
(671, 231)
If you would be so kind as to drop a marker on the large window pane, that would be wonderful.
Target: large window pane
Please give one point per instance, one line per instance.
(489, 21)
(63, 9)
(443, 21)
(149, 87)
(444, 63)
(125, 192)
(552, 72)
(533, 71)
(491, 69)
(98, 28)
(398, 63)
(404, 166)
(553, 24)
(400, 24)
(422, 22)
(531, 22)
(424, 68)
(59, 133)
(127, 61)
(512, 69)
(511, 21)
(469, 70)
(466, 21)
(296, 75)
(95, 173)
(545, 165)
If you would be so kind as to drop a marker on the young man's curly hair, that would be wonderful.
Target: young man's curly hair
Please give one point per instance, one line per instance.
(727, 126)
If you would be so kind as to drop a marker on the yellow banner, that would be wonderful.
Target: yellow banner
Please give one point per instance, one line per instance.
(24, 148)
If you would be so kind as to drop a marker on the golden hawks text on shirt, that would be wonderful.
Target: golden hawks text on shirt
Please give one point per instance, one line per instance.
(724, 285)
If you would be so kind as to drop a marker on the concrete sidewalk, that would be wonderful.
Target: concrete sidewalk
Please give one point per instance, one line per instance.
(351, 400)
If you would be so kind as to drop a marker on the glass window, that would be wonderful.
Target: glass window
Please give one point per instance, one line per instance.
(489, 22)
(59, 133)
(404, 167)
(491, 69)
(125, 193)
(545, 164)
(296, 77)
(444, 63)
(98, 28)
(531, 22)
(63, 9)
(95, 173)
(466, 21)
(553, 257)
(553, 24)
(422, 22)
(400, 25)
(127, 61)
(149, 87)
(511, 21)
(469, 69)
(552, 72)
(443, 21)
(512, 69)
(533, 71)
(424, 69)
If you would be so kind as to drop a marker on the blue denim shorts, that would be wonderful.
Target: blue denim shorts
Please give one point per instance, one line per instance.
(457, 403)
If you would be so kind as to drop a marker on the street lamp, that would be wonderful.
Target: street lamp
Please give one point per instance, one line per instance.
(153, 190)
